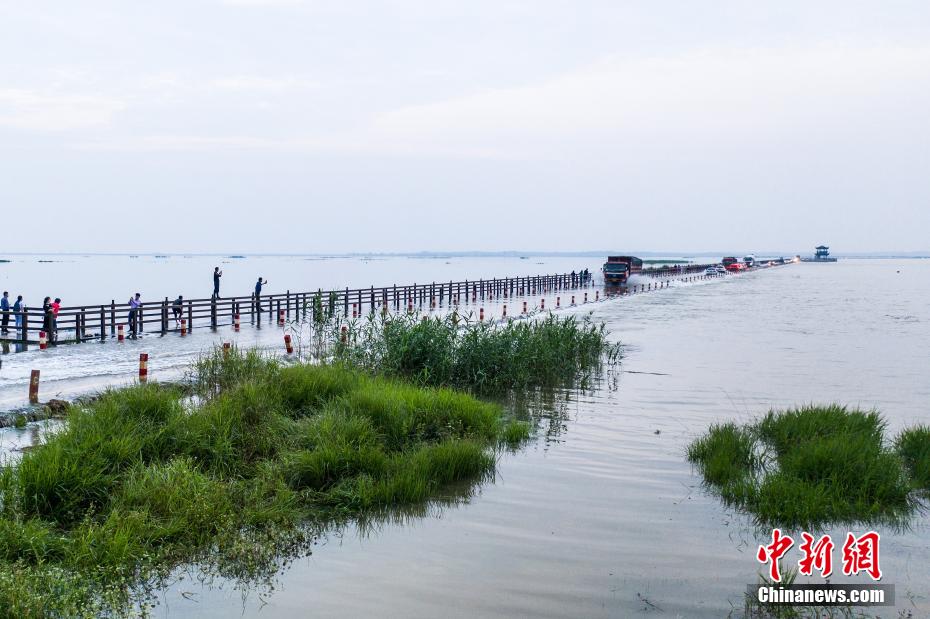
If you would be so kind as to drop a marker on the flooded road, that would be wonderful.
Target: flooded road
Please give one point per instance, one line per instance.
(602, 516)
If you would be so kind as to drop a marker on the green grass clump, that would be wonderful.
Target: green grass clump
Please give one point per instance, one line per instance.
(485, 357)
(145, 478)
(807, 467)
(913, 445)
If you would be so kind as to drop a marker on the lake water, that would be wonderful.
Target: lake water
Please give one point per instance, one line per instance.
(602, 516)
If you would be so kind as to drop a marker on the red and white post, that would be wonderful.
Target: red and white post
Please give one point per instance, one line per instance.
(143, 367)
(287, 344)
(43, 340)
(120, 333)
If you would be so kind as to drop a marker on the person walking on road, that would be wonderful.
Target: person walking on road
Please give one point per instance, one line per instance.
(258, 293)
(217, 274)
(176, 308)
(5, 308)
(134, 304)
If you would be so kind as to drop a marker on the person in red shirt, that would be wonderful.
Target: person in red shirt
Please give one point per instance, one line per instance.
(56, 306)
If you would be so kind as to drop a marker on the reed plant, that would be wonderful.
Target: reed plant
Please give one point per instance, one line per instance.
(460, 351)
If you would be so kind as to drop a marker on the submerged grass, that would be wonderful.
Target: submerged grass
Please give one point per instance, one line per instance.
(141, 479)
(808, 467)
(483, 357)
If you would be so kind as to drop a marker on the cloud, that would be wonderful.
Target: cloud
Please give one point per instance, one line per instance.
(623, 104)
(762, 92)
(263, 84)
(46, 111)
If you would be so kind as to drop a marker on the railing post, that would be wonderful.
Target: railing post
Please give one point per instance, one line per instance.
(112, 317)
(190, 315)
(103, 323)
(213, 312)
(164, 316)
(25, 333)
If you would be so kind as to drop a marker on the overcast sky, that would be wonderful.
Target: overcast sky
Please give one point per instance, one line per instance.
(406, 125)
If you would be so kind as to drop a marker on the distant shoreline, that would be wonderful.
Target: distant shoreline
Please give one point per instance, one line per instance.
(478, 254)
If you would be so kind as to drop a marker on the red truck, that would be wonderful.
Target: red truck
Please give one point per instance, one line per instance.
(730, 263)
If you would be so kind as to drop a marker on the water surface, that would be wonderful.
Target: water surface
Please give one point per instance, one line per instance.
(602, 516)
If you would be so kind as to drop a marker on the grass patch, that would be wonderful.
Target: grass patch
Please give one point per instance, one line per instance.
(913, 445)
(485, 357)
(809, 467)
(143, 479)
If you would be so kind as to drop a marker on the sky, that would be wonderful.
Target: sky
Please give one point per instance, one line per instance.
(303, 126)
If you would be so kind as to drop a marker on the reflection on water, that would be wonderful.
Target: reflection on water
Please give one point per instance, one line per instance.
(253, 567)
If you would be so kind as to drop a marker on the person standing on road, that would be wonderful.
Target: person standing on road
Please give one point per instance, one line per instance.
(56, 307)
(5, 308)
(217, 274)
(47, 317)
(18, 308)
(134, 304)
(258, 293)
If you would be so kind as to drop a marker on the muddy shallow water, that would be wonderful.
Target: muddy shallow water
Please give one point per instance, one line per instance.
(601, 515)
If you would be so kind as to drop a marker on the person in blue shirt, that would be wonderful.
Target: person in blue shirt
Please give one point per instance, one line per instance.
(5, 308)
(258, 292)
(18, 308)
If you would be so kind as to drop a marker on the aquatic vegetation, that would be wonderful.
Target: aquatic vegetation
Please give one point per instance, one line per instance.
(754, 609)
(485, 357)
(807, 467)
(913, 445)
(147, 477)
